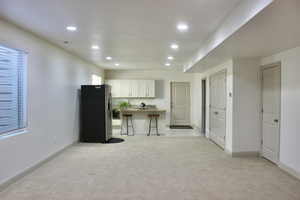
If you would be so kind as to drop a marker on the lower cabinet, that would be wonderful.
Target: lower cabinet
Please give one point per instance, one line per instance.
(132, 88)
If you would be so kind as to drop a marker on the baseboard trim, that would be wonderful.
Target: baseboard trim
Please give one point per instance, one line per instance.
(228, 152)
(289, 170)
(245, 154)
(27, 171)
(197, 129)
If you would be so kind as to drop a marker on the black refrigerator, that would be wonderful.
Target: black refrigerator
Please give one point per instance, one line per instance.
(95, 113)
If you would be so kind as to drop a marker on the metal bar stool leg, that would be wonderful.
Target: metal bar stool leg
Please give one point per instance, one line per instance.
(122, 124)
(132, 126)
(156, 123)
(127, 125)
(149, 127)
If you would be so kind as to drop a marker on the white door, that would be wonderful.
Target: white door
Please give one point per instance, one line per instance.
(271, 113)
(217, 113)
(180, 103)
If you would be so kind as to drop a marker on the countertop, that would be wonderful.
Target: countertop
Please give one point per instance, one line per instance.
(142, 110)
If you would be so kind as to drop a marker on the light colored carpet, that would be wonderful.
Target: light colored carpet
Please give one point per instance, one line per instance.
(154, 168)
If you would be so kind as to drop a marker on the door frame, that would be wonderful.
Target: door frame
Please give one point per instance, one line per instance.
(209, 103)
(171, 101)
(263, 67)
(203, 105)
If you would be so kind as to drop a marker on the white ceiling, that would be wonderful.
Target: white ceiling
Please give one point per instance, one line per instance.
(136, 33)
(273, 30)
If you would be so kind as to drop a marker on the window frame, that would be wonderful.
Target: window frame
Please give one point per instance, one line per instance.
(97, 77)
(18, 131)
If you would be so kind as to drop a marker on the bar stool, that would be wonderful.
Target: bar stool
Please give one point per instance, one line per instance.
(155, 118)
(127, 118)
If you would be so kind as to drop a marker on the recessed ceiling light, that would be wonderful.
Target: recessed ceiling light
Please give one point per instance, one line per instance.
(182, 27)
(117, 64)
(95, 47)
(71, 28)
(108, 58)
(170, 58)
(168, 64)
(174, 46)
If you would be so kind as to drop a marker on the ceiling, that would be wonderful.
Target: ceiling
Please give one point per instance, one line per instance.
(274, 30)
(137, 34)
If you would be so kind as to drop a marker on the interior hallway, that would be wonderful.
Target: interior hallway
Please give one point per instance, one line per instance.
(154, 168)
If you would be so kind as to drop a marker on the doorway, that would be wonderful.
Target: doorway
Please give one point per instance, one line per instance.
(180, 104)
(203, 107)
(271, 104)
(217, 113)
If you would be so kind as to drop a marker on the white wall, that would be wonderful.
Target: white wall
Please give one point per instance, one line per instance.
(54, 77)
(228, 66)
(290, 106)
(163, 79)
(243, 132)
(197, 100)
(246, 106)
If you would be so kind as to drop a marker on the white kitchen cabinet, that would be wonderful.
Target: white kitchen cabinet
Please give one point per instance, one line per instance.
(115, 87)
(141, 88)
(150, 88)
(146, 89)
(132, 88)
(125, 90)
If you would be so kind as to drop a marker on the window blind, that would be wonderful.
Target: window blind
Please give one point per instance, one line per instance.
(12, 90)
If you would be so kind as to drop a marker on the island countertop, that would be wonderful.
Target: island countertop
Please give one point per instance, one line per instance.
(128, 110)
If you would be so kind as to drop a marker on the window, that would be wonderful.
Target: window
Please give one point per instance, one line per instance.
(12, 90)
(96, 80)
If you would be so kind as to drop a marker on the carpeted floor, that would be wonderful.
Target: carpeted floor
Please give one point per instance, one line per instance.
(154, 168)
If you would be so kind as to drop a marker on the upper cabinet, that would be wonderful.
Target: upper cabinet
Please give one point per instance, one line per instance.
(116, 87)
(132, 88)
(150, 88)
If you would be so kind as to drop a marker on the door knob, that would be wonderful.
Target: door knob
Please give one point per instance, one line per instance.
(276, 120)
(216, 113)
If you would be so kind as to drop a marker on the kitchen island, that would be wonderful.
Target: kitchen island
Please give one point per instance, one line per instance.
(141, 119)
(140, 110)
